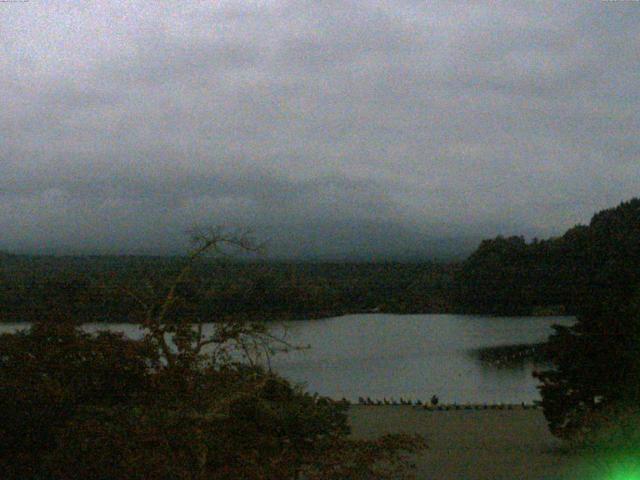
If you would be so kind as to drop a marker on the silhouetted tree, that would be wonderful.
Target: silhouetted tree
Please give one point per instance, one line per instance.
(510, 276)
(596, 367)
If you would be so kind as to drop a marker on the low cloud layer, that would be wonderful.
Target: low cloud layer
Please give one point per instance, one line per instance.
(332, 128)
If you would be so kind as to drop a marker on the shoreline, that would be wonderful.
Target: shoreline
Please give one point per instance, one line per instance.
(444, 407)
(323, 315)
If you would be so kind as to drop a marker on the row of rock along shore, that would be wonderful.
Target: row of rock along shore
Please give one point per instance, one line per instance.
(434, 404)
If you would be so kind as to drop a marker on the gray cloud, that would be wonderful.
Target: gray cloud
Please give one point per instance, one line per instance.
(333, 128)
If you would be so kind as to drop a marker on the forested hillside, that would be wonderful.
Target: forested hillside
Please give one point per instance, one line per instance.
(511, 276)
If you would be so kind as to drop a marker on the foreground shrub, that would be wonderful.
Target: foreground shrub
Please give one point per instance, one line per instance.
(48, 374)
(101, 407)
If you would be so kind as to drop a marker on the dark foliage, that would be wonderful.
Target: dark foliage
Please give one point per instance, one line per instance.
(74, 405)
(50, 372)
(508, 276)
(597, 360)
(596, 366)
(91, 289)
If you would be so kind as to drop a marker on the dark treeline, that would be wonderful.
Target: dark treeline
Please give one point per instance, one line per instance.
(508, 276)
(504, 276)
(102, 288)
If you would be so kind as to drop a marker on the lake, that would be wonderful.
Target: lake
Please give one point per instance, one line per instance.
(410, 356)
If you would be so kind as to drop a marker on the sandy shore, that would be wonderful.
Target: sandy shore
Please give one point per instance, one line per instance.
(470, 444)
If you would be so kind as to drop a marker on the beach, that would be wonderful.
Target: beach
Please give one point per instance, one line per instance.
(487, 444)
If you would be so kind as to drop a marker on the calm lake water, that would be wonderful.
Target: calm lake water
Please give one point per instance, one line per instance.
(410, 356)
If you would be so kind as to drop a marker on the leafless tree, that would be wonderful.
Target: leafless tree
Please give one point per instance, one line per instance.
(181, 339)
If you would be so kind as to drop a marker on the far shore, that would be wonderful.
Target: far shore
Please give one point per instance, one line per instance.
(303, 316)
(487, 444)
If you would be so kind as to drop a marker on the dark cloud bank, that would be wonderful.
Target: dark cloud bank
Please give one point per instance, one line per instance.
(367, 129)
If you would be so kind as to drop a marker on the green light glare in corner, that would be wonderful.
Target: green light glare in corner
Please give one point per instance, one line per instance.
(605, 467)
(627, 469)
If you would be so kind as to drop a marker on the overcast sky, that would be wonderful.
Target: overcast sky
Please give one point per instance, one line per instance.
(330, 127)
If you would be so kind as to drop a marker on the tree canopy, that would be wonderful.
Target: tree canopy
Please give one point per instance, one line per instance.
(511, 276)
(596, 372)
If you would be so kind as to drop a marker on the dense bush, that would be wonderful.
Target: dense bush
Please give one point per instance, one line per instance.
(73, 405)
(50, 372)
(596, 367)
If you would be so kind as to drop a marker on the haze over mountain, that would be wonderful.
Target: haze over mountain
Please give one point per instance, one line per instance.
(334, 128)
